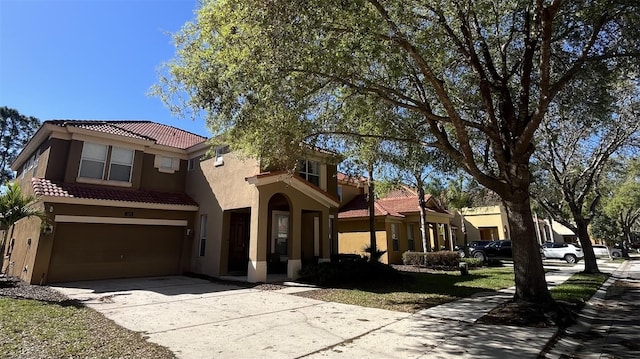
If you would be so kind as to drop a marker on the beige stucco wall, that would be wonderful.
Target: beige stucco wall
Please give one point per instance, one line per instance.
(485, 217)
(218, 189)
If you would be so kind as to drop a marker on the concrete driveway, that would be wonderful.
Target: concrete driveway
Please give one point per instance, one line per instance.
(195, 318)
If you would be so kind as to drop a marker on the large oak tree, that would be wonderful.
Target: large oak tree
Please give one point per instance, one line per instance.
(477, 75)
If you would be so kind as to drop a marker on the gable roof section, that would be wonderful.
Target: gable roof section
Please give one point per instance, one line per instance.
(359, 207)
(145, 130)
(296, 182)
(58, 192)
(397, 203)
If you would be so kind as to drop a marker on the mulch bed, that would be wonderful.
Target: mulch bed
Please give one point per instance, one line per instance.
(13, 288)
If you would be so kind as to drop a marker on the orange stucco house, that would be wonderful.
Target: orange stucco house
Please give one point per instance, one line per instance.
(138, 198)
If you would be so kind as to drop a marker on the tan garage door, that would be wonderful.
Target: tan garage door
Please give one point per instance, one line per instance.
(98, 251)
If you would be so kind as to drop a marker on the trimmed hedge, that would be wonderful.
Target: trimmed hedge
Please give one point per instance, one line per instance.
(473, 262)
(348, 272)
(442, 259)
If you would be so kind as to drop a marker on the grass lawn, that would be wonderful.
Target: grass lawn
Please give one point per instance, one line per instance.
(579, 288)
(419, 290)
(37, 329)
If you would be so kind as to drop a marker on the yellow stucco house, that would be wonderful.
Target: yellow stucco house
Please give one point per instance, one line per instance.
(397, 222)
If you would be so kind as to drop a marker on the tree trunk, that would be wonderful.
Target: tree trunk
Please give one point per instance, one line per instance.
(531, 284)
(373, 255)
(590, 263)
(422, 204)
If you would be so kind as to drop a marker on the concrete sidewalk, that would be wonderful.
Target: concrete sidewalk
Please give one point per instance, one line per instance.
(609, 325)
(199, 319)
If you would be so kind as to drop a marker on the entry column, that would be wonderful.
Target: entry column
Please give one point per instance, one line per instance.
(294, 264)
(257, 267)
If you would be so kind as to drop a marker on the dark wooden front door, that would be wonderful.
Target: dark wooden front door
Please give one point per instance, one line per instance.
(239, 242)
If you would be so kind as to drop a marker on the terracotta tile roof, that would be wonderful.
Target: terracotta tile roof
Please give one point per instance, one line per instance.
(359, 207)
(403, 203)
(145, 130)
(44, 187)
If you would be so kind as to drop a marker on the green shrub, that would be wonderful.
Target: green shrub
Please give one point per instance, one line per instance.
(472, 262)
(413, 258)
(440, 260)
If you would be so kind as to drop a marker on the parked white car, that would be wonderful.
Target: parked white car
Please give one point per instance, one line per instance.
(568, 252)
(601, 250)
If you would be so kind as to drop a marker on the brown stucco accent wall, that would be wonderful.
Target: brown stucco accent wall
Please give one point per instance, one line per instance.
(152, 178)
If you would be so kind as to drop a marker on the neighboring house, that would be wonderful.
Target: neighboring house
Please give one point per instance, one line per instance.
(485, 223)
(397, 222)
(138, 198)
(491, 223)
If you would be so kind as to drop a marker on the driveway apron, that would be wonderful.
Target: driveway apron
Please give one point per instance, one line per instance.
(195, 318)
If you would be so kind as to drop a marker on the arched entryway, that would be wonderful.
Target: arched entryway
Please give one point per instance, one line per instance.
(279, 230)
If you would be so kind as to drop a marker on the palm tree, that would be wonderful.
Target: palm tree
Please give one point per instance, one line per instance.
(14, 206)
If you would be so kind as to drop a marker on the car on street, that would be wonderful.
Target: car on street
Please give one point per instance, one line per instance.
(473, 245)
(616, 250)
(495, 249)
(601, 250)
(568, 252)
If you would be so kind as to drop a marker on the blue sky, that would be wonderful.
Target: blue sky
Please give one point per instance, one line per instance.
(89, 59)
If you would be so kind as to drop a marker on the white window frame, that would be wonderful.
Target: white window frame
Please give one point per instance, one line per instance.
(202, 245)
(191, 163)
(160, 164)
(411, 243)
(305, 173)
(119, 163)
(220, 152)
(83, 159)
(395, 242)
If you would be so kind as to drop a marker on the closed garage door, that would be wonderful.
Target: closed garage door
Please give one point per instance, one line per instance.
(98, 251)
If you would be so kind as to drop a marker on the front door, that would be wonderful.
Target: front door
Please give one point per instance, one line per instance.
(239, 242)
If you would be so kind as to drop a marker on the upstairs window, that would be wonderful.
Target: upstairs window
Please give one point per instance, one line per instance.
(93, 161)
(220, 151)
(310, 170)
(96, 159)
(121, 164)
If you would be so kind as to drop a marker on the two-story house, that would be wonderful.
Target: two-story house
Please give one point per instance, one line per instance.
(138, 198)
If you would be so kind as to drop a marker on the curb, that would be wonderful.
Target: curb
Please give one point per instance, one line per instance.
(557, 347)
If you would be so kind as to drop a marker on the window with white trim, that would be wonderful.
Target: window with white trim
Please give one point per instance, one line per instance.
(203, 235)
(220, 152)
(410, 238)
(192, 163)
(121, 164)
(310, 171)
(166, 163)
(93, 162)
(94, 158)
(394, 236)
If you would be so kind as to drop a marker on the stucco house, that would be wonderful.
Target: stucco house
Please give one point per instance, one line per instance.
(397, 222)
(490, 223)
(138, 198)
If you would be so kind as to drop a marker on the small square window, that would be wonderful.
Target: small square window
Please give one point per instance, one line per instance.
(166, 163)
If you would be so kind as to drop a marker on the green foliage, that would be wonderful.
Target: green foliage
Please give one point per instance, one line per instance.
(14, 206)
(418, 290)
(473, 262)
(15, 131)
(579, 288)
(473, 81)
(440, 260)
